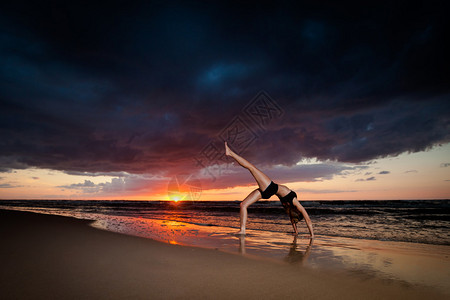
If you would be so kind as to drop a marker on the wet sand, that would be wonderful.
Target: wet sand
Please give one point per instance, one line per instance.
(410, 263)
(44, 256)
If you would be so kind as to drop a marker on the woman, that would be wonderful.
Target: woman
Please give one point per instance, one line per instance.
(268, 188)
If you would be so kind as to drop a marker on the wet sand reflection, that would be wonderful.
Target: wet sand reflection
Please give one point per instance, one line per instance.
(408, 262)
(296, 256)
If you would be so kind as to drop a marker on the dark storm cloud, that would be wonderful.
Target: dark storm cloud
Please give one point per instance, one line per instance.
(142, 87)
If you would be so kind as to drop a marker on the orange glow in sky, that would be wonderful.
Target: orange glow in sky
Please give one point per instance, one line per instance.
(422, 175)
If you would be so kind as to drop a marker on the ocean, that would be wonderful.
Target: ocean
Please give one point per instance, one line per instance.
(412, 221)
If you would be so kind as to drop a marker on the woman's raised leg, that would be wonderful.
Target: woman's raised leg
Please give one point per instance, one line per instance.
(262, 179)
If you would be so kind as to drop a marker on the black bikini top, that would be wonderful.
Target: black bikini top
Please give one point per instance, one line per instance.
(288, 198)
(293, 212)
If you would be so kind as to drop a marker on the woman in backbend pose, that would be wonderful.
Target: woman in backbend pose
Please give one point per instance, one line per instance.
(268, 188)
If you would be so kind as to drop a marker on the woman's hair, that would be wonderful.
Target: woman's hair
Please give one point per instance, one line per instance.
(295, 215)
(293, 212)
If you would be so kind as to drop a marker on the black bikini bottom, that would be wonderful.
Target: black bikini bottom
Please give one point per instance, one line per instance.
(271, 190)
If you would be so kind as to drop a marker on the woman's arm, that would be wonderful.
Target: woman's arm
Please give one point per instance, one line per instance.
(295, 227)
(305, 216)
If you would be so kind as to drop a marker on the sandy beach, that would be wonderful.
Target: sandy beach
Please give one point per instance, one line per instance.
(54, 257)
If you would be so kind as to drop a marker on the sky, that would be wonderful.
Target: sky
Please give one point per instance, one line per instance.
(133, 99)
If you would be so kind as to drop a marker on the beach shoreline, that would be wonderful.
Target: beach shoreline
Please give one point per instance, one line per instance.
(45, 256)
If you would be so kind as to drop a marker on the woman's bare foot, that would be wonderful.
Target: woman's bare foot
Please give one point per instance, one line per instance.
(241, 232)
(228, 151)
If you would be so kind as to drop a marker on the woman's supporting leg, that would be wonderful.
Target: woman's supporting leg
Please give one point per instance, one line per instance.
(262, 179)
(250, 199)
